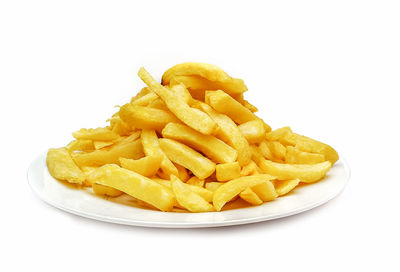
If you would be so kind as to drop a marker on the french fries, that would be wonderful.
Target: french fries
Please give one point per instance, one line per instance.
(210, 146)
(134, 184)
(192, 143)
(62, 167)
(194, 118)
(187, 157)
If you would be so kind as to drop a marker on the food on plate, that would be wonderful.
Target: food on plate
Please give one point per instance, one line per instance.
(190, 143)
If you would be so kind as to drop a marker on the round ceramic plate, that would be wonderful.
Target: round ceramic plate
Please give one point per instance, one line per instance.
(86, 204)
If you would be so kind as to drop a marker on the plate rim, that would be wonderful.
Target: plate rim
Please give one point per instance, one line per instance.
(206, 224)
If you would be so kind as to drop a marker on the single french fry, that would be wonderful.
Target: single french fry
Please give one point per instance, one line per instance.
(146, 166)
(250, 196)
(227, 171)
(265, 150)
(231, 133)
(251, 107)
(230, 189)
(283, 135)
(134, 185)
(187, 198)
(210, 74)
(265, 190)
(100, 144)
(145, 117)
(80, 145)
(151, 147)
(142, 92)
(196, 181)
(182, 173)
(313, 146)
(224, 103)
(62, 167)
(158, 103)
(250, 169)
(95, 134)
(105, 191)
(253, 131)
(194, 118)
(305, 172)
(213, 186)
(283, 187)
(278, 150)
(188, 158)
(213, 148)
(295, 156)
(118, 126)
(145, 100)
(180, 90)
(130, 150)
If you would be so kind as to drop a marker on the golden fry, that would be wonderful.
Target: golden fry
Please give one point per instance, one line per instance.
(283, 187)
(105, 191)
(250, 196)
(151, 147)
(230, 133)
(253, 131)
(146, 166)
(230, 189)
(129, 150)
(95, 134)
(187, 157)
(210, 146)
(227, 171)
(194, 118)
(134, 185)
(62, 167)
(145, 117)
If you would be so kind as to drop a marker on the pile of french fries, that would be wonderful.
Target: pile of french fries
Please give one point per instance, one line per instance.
(191, 143)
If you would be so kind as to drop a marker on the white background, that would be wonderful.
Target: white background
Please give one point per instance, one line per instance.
(329, 69)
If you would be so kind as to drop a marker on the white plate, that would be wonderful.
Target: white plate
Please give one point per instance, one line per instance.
(86, 204)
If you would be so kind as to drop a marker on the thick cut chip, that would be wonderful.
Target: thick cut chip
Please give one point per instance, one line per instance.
(145, 117)
(283, 135)
(180, 90)
(228, 131)
(181, 154)
(105, 191)
(224, 103)
(129, 150)
(210, 74)
(188, 199)
(134, 185)
(213, 186)
(195, 181)
(305, 172)
(146, 166)
(230, 189)
(101, 144)
(296, 156)
(182, 172)
(118, 126)
(278, 150)
(250, 196)
(213, 148)
(265, 191)
(313, 146)
(80, 145)
(253, 131)
(283, 187)
(151, 147)
(227, 171)
(62, 167)
(194, 118)
(96, 134)
(250, 169)
(145, 100)
(251, 107)
(265, 150)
